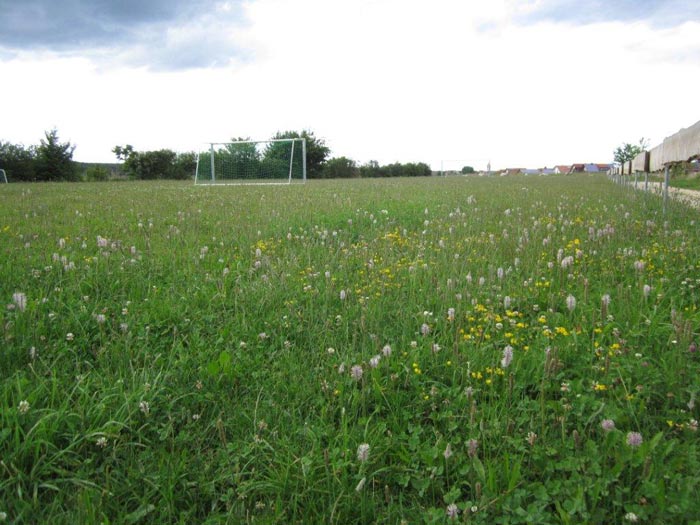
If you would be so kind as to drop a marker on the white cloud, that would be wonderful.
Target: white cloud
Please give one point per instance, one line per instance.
(378, 79)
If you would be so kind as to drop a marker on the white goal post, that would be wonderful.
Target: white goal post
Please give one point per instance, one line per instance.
(277, 161)
(3, 176)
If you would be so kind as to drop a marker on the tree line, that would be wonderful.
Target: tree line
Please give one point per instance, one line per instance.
(52, 160)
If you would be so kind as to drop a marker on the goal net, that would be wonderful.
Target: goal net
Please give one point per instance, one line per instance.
(280, 161)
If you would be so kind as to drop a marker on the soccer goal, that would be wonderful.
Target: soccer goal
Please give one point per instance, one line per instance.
(3, 176)
(279, 161)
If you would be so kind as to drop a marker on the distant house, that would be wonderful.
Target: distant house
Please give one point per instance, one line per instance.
(591, 168)
(577, 168)
(562, 170)
(530, 172)
(513, 171)
(604, 167)
(547, 171)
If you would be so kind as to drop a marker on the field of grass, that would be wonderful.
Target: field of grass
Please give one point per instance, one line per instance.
(461, 350)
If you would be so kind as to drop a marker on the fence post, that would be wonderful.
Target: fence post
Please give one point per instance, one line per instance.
(667, 176)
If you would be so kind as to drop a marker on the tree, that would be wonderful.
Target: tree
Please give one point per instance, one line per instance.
(340, 168)
(160, 164)
(316, 151)
(628, 151)
(54, 160)
(18, 161)
(467, 170)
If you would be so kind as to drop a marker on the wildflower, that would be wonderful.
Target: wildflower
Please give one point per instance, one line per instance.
(452, 511)
(343, 295)
(101, 442)
(386, 351)
(571, 303)
(607, 425)
(507, 302)
(500, 273)
(693, 425)
(262, 336)
(631, 517)
(425, 329)
(448, 451)
(100, 318)
(23, 406)
(472, 447)
(341, 368)
(646, 290)
(20, 300)
(356, 372)
(507, 356)
(360, 485)
(435, 348)
(414, 344)
(692, 348)
(639, 266)
(565, 387)
(531, 438)
(450, 314)
(605, 300)
(363, 452)
(145, 407)
(634, 439)
(69, 336)
(374, 361)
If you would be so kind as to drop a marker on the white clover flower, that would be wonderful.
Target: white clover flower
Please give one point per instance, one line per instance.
(23, 406)
(363, 452)
(20, 301)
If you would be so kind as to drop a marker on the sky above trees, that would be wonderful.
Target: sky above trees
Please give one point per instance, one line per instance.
(526, 83)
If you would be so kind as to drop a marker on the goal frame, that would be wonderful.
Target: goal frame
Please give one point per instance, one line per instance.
(212, 181)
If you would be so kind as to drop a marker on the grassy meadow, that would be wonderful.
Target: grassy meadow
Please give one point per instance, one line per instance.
(455, 350)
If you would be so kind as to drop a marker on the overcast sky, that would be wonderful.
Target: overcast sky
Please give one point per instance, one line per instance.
(528, 83)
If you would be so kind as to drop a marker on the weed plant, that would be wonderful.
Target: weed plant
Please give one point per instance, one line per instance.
(468, 350)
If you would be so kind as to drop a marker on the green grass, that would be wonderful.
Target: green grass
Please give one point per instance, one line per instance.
(688, 183)
(191, 354)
